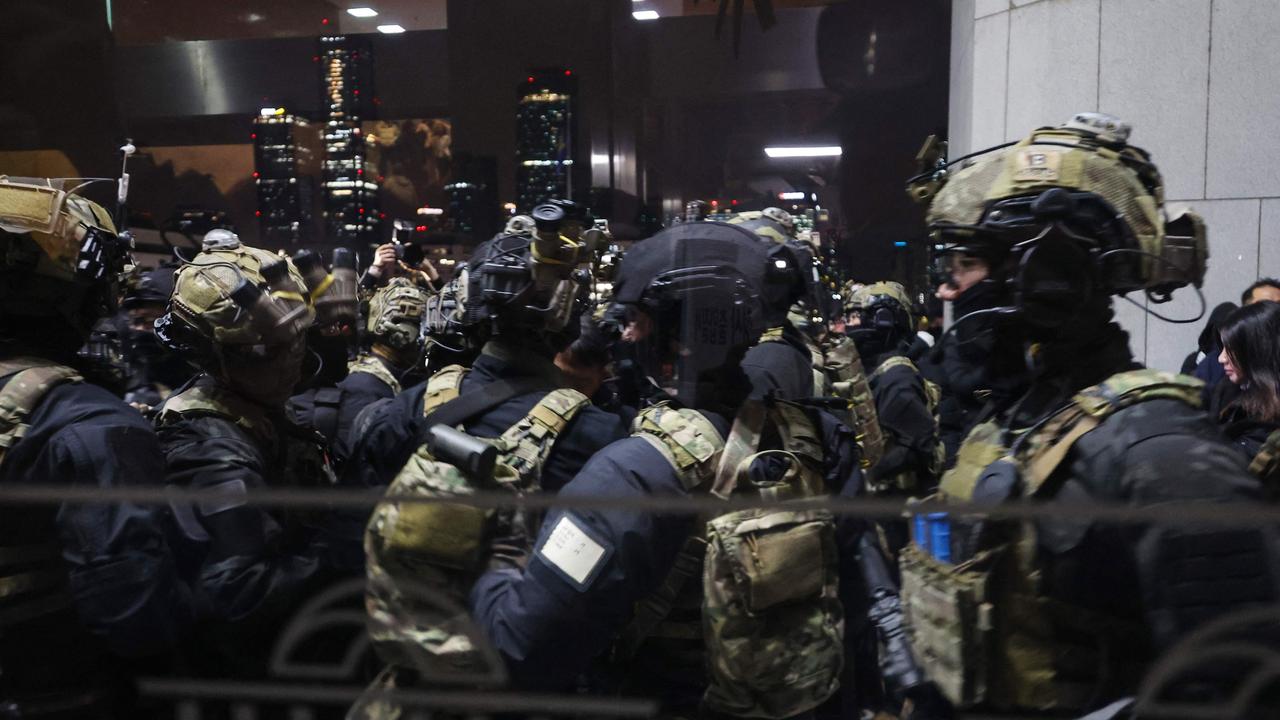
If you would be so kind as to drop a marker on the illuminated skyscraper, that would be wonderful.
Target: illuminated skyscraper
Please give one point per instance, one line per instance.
(544, 137)
(350, 184)
(280, 155)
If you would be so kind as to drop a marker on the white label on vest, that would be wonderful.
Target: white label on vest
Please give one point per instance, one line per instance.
(571, 550)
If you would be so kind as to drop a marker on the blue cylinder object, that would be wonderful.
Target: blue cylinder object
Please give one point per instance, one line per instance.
(921, 534)
(940, 536)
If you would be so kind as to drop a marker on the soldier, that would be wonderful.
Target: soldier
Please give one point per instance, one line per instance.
(905, 400)
(783, 361)
(1077, 608)
(624, 590)
(394, 328)
(241, 314)
(154, 372)
(521, 313)
(522, 301)
(82, 585)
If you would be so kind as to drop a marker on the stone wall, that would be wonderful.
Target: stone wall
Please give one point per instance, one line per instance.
(1198, 79)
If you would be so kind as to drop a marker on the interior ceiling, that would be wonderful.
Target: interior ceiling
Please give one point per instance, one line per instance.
(149, 22)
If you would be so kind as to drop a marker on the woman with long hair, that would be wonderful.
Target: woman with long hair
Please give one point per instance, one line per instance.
(1251, 358)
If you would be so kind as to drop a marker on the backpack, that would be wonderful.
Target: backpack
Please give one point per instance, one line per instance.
(32, 379)
(843, 366)
(771, 620)
(982, 627)
(423, 558)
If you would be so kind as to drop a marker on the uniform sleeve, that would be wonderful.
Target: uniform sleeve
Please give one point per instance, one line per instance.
(589, 433)
(122, 577)
(381, 444)
(904, 415)
(588, 570)
(249, 563)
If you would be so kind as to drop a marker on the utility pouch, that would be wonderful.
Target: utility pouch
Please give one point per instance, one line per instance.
(772, 621)
(951, 616)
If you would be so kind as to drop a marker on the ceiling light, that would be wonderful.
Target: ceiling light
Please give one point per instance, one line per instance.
(794, 152)
(645, 14)
(362, 12)
(791, 196)
(390, 29)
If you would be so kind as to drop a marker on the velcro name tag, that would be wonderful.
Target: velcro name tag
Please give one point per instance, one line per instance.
(574, 552)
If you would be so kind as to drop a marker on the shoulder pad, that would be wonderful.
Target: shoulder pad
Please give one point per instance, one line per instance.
(1128, 388)
(205, 399)
(32, 379)
(443, 387)
(982, 446)
(372, 366)
(773, 334)
(687, 439)
(893, 362)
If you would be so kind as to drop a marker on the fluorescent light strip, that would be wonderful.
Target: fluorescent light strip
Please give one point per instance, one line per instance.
(362, 12)
(791, 196)
(390, 29)
(645, 15)
(794, 152)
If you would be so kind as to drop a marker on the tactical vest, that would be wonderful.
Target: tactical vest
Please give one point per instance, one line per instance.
(423, 558)
(299, 458)
(821, 385)
(984, 628)
(765, 621)
(367, 363)
(907, 481)
(843, 366)
(35, 604)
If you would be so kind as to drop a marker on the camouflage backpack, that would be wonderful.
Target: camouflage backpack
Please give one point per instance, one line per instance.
(932, 396)
(983, 628)
(843, 366)
(32, 379)
(771, 622)
(422, 558)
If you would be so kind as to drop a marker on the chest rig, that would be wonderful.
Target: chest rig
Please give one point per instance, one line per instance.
(423, 557)
(750, 604)
(985, 627)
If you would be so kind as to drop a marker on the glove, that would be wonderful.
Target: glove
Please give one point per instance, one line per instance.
(510, 546)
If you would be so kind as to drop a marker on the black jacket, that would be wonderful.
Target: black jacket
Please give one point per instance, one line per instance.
(111, 588)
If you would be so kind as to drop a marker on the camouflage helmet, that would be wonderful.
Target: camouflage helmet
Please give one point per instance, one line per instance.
(1084, 178)
(395, 314)
(60, 254)
(771, 223)
(519, 225)
(870, 295)
(233, 294)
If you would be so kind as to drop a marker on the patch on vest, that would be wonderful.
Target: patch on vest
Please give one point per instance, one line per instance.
(574, 553)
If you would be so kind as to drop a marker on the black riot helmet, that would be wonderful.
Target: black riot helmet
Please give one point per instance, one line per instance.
(694, 300)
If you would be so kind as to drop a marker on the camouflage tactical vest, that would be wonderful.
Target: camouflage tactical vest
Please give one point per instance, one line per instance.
(297, 458)
(367, 363)
(32, 379)
(843, 366)
(907, 481)
(767, 613)
(423, 557)
(984, 629)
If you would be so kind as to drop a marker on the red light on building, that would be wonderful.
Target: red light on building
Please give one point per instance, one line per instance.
(253, 136)
(567, 73)
(733, 202)
(361, 211)
(421, 228)
(530, 78)
(255, 173)
(257, 213)
(382, 216)
(324, 21)
(715, 203)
